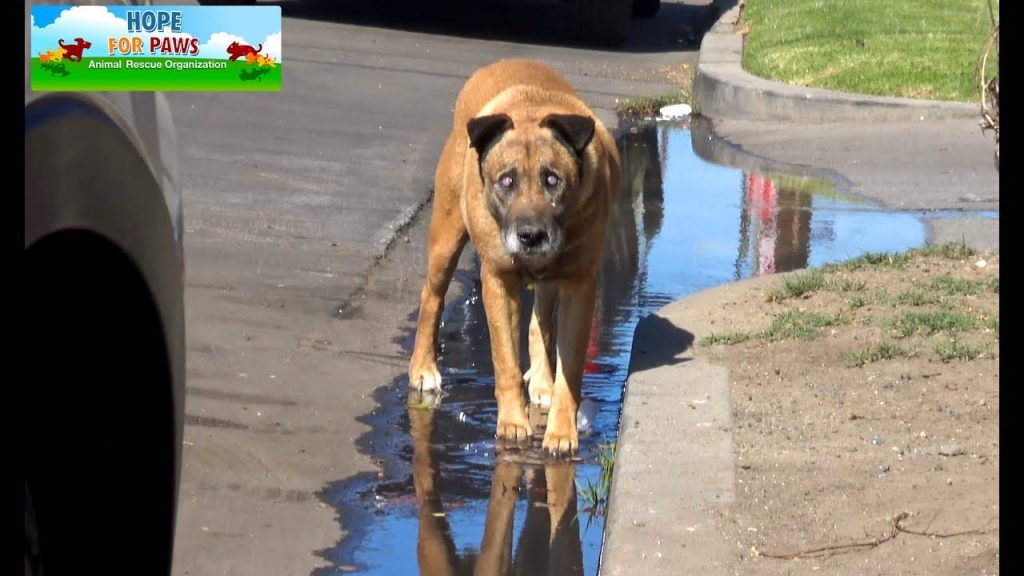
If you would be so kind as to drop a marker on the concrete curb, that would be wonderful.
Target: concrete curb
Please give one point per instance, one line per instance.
(722, 89)
(675, 469)
(673, 459)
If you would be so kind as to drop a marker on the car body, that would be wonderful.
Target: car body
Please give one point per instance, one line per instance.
(104, 331)
(599, 22)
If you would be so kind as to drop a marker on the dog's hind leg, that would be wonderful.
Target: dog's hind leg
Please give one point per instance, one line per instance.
(446, 239)
(539, 376)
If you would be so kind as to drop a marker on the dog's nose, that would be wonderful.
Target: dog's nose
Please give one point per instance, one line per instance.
(531, 236)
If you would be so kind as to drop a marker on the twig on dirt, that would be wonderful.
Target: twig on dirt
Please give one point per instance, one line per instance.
(834, 548)
(928, 533)
(755, 551)
(895, 529)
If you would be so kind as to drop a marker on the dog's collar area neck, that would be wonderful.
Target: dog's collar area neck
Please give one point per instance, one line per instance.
(530, 273)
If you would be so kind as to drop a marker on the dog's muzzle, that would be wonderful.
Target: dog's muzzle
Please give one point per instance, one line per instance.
(531, 237)
(533, 244)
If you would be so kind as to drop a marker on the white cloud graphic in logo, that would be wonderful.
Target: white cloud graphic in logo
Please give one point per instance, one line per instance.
(217, 45)
(95, 24)
(92, 23)
(272, 46)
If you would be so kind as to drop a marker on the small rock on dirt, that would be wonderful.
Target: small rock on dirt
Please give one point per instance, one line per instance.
(951, 450)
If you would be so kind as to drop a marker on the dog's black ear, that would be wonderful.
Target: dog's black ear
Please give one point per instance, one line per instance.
(485, 131)
(573, 130)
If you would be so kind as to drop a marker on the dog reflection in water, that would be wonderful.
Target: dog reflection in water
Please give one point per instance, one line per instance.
(549, 542)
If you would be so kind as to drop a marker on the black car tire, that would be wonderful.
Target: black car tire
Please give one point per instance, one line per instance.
(602, 22)
(31, 537)
(129, 494)
(646, 8)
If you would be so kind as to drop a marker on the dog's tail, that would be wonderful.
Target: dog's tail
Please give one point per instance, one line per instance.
(61, 42)
(260, 49)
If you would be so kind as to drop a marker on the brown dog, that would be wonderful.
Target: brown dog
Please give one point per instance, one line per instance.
(530, 175)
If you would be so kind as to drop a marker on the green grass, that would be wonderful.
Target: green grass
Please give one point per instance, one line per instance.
(821, 188)
(917, 297)
(813, 186)
(725, 338)
(993, 324)
(795, 324)
(804, 284)
(799, 285)
(77, 76)
(595, 496)
(844, 286)
(884, 351)
(858, 301)
(940, 290)
(642, 106)
(922, 49)
(606, 458)
(931, 322)
(949, 285)
(860, 298)
(950, 350)
(933, 313)
(950, 251)
(896, 260)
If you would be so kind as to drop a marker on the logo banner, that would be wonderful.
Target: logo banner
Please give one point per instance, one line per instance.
(147, 48)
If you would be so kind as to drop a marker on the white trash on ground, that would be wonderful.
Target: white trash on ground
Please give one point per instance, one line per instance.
(585, 416)
(674, 111)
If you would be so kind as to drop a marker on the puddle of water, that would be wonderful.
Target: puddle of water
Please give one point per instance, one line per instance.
(443, 503)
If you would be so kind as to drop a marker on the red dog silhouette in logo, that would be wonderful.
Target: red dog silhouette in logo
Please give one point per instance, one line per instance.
(239, 50)
(74, 51)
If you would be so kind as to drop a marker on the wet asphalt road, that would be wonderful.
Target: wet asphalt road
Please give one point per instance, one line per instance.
(302, 203)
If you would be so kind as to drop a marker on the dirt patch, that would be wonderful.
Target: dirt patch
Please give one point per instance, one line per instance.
(866, 407)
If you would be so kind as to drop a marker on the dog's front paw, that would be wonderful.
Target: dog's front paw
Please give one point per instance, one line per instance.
(561, 438)
(514, 425)
(424, 376)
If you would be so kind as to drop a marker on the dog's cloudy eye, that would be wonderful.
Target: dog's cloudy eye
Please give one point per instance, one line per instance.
(506, 181)
(551, 180)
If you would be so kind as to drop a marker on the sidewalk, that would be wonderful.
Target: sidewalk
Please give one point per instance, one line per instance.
(675, 464)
